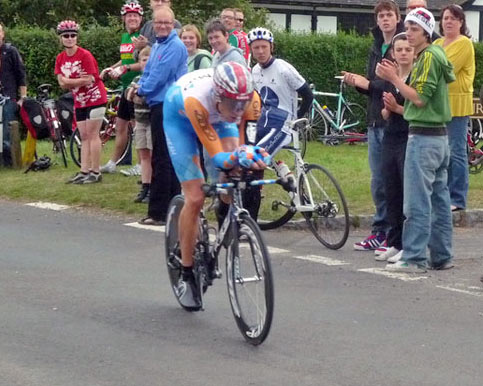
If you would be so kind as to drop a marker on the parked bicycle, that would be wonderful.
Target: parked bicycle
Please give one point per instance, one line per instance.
(316, 194)
(108, 129)
(475, 145)
(3, 101)
(55, 128)
(346, 124)
(248, 268)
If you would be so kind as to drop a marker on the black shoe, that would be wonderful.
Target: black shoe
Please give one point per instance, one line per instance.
(188, 294)
(142, 195)
(145, 200)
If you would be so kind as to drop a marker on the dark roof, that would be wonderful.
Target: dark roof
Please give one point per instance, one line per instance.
(432, 4)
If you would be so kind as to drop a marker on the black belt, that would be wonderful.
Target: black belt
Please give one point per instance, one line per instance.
(437, 131)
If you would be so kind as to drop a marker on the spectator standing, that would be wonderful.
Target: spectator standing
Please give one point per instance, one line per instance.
(166, 64)
(461, 53)
(389, 23)
(142, 131)
(235, 38)
(147, 34)
(126, 70)
(426, 196)
(218, 39)
(13, 85)
(413, 4)
(77, 70)
(197, 57)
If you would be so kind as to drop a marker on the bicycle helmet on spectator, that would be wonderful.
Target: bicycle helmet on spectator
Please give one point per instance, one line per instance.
(259, 33)
(233, 81)
(67, 26)
(132, 7)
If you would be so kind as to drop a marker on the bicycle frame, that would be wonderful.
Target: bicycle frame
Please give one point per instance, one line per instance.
(337, 124)
(3, 101)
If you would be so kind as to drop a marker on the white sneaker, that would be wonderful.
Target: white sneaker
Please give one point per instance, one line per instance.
(386, 255)
(395, 258)
(402, 266)
(380, 250)
(110, 167)
(132, 171)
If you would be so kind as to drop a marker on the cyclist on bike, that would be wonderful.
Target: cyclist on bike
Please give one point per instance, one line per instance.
(207, 105)
(278, 84)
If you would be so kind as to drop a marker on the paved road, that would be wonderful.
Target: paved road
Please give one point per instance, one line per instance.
(85, 301)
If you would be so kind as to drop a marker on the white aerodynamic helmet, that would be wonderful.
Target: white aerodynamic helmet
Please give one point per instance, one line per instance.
(259, 33)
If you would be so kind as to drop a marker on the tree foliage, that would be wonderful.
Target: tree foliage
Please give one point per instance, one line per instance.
(47, 13)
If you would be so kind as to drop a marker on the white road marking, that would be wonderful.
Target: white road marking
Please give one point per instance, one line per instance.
(271, 250)
(48, 205)
(460, 290)
(155, 228)
(321, 260)
(392, 275)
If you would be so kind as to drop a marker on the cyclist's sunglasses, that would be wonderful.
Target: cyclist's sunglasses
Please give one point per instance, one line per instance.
(67, 36)
(234, 105)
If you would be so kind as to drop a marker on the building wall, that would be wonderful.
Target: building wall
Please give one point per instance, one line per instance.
(330, 20)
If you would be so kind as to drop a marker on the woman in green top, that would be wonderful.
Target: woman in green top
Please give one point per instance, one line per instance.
(461, 53)
(197, 57)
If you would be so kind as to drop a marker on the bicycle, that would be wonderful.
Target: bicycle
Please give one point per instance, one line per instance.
(108, 129)
(3, 101)
(248, 268)
(55, 127)
(345, 124)
(316, 194)
(474, 138)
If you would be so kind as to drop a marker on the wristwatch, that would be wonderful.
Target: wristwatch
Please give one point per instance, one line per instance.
(128, 67)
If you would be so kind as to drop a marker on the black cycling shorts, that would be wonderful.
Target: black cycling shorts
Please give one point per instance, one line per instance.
(91, 113)
(126, 109)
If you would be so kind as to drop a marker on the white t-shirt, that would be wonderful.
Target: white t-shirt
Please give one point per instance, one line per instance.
(277, 85)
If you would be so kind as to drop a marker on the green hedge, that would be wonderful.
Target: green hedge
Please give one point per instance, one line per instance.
(39, 49)
(318, 57)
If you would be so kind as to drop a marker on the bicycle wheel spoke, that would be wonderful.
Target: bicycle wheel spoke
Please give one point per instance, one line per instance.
(329, 217)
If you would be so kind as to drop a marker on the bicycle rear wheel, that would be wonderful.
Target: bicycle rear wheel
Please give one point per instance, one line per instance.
(250, 282)
(329, 220)
(173, 253)
(276, 206)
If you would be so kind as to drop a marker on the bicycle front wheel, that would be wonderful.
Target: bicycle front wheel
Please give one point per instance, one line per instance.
(250, 282)
(329, 218)
(318, 125)
(354, 117)
(276, 206)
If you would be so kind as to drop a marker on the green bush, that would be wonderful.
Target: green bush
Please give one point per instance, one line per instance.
(318, 57)
(40, 47)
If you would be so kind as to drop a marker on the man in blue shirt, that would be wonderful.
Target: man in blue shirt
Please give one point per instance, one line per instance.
(167, 63)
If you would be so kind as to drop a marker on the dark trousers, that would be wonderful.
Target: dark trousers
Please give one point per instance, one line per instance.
(164, 183)
(393, 155)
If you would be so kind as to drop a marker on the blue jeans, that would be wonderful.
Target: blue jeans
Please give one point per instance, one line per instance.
(9, 115)
(458, 175)
(374, 137)
(426, 201)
